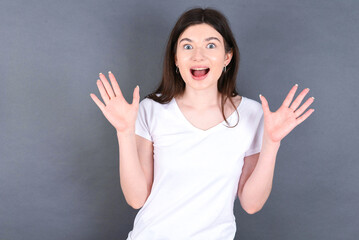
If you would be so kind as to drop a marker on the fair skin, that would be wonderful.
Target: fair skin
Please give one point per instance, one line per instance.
(201, 101)
(193, 49)
(255, 183)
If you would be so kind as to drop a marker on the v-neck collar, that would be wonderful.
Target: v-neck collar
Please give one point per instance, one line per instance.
(210, 129)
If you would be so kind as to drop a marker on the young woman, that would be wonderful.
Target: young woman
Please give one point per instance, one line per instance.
(191, 147)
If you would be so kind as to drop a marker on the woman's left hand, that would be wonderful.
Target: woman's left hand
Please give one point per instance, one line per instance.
(278, 124)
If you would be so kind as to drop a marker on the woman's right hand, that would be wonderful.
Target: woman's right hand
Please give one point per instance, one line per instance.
(116, 109)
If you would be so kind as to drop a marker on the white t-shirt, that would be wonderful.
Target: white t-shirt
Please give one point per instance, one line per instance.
(196, 172)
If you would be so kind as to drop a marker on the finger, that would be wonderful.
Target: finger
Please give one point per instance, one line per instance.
(136, 95)
(97, 101)
(299, 99)
(304, 116)
(290, 96)
(305, 105)
(107, 85)
(115, 86)
(265, 105)
(103, 92)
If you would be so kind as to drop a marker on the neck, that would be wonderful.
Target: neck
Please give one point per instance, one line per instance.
(200, 100)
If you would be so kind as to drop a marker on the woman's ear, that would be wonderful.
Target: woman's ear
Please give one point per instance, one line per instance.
(228, 57)
(175, 60)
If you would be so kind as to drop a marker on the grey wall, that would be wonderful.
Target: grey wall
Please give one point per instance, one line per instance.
(59, 155)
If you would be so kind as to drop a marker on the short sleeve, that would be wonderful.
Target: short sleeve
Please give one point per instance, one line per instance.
(256, 144)
(142, 122)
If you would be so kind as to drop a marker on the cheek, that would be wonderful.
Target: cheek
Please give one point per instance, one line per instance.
(217, 58)
(182, 57)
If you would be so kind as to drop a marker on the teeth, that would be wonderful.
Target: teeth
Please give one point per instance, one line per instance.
(199, 68)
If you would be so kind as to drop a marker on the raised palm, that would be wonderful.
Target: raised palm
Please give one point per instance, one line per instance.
(118, 112)
(278, 124)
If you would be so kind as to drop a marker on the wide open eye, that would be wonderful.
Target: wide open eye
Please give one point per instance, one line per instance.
(184, 46)
(212, 44)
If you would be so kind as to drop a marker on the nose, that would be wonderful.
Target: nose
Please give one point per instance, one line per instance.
(197, 54)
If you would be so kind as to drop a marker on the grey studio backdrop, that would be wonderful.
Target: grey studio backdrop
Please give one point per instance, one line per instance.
(59, 155)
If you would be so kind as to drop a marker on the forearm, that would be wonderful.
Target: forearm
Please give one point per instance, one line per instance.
(132, 177)
(257, 188)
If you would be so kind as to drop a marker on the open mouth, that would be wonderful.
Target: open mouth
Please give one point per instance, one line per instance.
(199, 72)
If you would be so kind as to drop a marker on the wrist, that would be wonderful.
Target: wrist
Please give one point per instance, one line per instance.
(125, 133)
(270, 143)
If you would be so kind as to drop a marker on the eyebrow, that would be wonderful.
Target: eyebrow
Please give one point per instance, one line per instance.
(207, 39)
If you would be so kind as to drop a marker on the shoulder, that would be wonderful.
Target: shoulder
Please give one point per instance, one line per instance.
(251, 106)
(145, 105)
(147, 102)
(252, 103)
(151, 105)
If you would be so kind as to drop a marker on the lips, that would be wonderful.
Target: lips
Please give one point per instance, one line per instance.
(199, 71)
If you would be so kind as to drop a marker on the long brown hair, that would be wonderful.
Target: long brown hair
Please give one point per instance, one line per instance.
(172, 84)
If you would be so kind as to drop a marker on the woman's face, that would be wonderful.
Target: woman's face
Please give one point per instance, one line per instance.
(199, 47)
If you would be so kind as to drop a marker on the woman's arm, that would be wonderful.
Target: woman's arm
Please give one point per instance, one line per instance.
(256, 180)
(277, 125)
